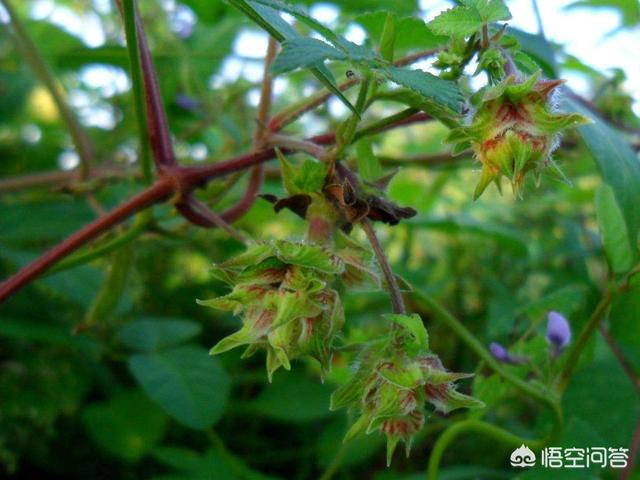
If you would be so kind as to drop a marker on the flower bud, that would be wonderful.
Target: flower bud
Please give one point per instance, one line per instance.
(281, 290)
(392, 384)
(514, 131)
(558, 332)
(499, 352)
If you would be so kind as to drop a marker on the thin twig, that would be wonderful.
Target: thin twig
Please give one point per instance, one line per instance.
(43, 72)
(622, 360)
(633, 453)
(290, 114)
(286, 142)
(60, 179)
(536, 12)
(574, 354)
(397, 302)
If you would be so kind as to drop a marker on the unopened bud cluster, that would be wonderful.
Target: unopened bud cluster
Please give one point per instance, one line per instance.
(282, 290)
(514, 131)
(393, 383)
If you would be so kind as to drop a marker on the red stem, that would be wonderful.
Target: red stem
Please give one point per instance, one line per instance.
(180, 180)
(159, 133)
(157, 192)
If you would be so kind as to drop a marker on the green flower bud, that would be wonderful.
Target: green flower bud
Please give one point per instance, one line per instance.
(393, 382)
(282, 292)
(514, 131)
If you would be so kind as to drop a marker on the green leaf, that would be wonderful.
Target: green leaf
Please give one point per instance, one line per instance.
(411, 33)
(192, 465)
(624, 324)
(157, 333)
(444, 92)
(303, 53)
(311, 177)
(457, 22)
(128, 426)
(414, 325)
(618, 166)
(310, 256)
(352, 50)
(613, 230)
(292, 398)
(503, 236)
(186, 382)
(603, 395)
(538, 48)
(567, 300)
(490, 10)
(388, 40)
(369, 166)
(270, 20)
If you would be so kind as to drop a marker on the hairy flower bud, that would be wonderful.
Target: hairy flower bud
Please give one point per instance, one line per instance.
(282, 291)
(514, 131)
(394, 381)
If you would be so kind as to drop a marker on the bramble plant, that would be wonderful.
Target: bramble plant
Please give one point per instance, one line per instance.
(330, 263)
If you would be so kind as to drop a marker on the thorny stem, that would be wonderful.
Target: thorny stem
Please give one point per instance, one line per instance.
(41, 69)
(157, 123)
(177, 180)
(128, 13)
(397, 302)
(162, 189)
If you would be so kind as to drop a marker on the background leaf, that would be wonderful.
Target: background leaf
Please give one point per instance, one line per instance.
(186, 382)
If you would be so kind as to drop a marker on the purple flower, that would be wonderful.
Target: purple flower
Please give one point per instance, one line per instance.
(558, 332)
(502, 355)
(499, 352)
(186, 102)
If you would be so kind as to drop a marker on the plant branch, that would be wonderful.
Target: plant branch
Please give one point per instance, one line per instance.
(397, 302)
(128, 12)
(633, 453)
(288, 143)
(574, 354)
(260, 139)
(157, 123)
(622, 360)
(43, 72)
(60, 178)
(159, 191)
(177, 180)
(496, 433)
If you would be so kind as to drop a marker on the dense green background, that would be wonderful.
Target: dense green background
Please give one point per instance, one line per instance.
(104, 371)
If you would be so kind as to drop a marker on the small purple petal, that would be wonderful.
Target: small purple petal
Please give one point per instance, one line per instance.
(186, 102)
(558, 330)
(499, 352)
